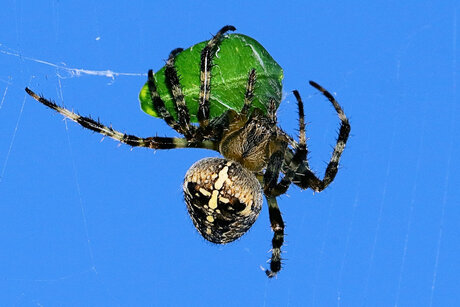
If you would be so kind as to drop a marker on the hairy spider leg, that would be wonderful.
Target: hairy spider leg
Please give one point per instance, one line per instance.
(273, 170)
(292, 161)
(305, 178)
(301, 149)
(270, 179)
(159, 104)
(207, 55)
(271, 112)
(172, 81)
(155, 142)
(249, 94)
(277, 225)
(217, 125)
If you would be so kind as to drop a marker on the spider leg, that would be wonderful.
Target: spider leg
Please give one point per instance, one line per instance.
(249, 95)
(292, 161)
(306, 178)
(301, 149)
(159, 104)
(132, 140)
(205, 76)
(270, 179)
(272, 172)
(172, 81)
(216, 126)
(271, 112)
(277, 225)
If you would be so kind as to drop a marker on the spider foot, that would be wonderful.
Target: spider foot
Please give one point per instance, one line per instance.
(270, 274)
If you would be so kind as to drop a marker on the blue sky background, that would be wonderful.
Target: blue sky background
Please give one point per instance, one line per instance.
(91, 223)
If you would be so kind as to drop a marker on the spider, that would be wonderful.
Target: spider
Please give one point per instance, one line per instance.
(224, 195)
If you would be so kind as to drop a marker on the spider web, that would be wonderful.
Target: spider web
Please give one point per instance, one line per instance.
(61, 72)
(383, 233)
(18, 65)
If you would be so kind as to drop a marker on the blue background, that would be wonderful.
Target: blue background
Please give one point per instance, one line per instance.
(91, 223)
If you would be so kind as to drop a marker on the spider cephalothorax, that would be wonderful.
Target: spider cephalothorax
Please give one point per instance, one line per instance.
(224, 195)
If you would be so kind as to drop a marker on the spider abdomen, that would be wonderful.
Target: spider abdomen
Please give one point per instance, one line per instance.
(223, 199)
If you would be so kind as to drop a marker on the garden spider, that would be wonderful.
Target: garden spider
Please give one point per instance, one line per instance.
(224, 195)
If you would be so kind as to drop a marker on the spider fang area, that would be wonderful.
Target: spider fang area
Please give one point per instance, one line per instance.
(223, 199)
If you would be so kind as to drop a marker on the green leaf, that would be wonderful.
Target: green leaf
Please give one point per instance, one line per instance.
(236, 55)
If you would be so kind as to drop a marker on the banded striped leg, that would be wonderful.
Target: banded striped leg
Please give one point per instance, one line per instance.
(205, 76)
(159, 104)
(249, 95)
(300, 154)
(271, 112)
(344, 132)
(210, 129)
(172, 81)
(303, 176)
(132, 140)
(273, 171)
(277, 225)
